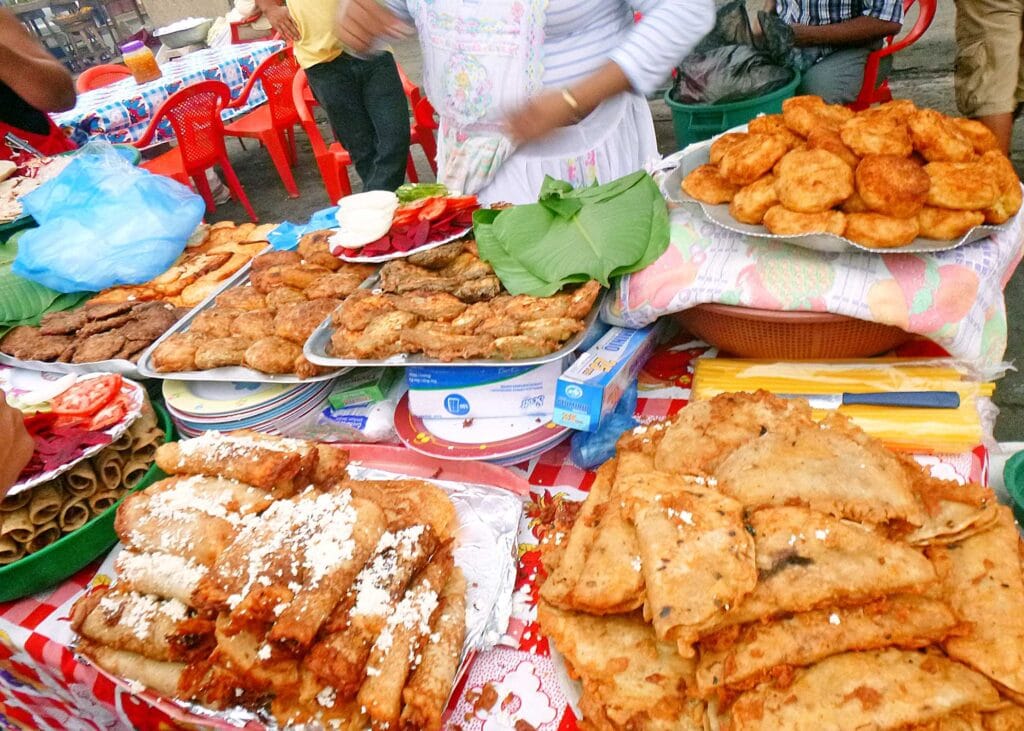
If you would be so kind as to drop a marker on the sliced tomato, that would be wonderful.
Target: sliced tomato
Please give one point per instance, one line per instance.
(463, 202)
(110, 414)
(87, 397)
(414, 205)
(434, 209)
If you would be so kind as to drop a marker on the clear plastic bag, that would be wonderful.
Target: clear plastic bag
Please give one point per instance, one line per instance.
(104, 222)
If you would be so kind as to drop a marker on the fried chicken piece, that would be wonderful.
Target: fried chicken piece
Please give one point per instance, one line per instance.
(937, 138)
(479, 314)
(277, 298)
(361, 308)
(752, 201)
(438, 340)
(276, 258)
(296, 322)
(517, 347)
(723, 143)
(302, 276)
(27, 343)
(336, 285)
(220, 352)
(399, 277)
(891, 185)
(101, 346)
(253, 325)
(242, 298)
(707, 184)
(437, 258)
(438, 306)
(315, 243)
(272, 355)
(878, 231)
(214, 322)
(749, 159)
(552, 329)
(813, 181)
(382, 338)
(478, 290)
(327, 261)
(269, 279)
(495, 326)
(784, 222)
(62, 323)
(176, 353)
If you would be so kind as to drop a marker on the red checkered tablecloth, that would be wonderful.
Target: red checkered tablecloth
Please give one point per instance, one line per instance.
(43, 686)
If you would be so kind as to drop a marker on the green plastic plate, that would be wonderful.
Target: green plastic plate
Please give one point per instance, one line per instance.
(71, 553)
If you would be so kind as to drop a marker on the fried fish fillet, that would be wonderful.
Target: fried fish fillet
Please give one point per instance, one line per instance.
(705, 432)
(982, 580)
(697, 558)
(799, 467)
(883, 689)
(631, 680)
(766, 651)
(599, 571)
(808, 560)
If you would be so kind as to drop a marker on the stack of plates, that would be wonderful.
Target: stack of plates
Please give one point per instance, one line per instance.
(501, 441)
(198, 406)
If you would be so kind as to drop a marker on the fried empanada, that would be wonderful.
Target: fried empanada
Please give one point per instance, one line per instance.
(878, 231)
(750, 158)
(707, 185)
(813, 181)
(784, 222)
(752, 201)
(891, 185)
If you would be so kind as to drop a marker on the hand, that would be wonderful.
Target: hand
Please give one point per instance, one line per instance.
(17, 446)
(361, 22)
(281, 21)
(539, 117)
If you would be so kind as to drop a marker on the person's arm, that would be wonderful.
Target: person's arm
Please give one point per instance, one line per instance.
(854, 32)
(359, 23)
(17, 446)
(279, 18)
(30, 70)
(667, 32)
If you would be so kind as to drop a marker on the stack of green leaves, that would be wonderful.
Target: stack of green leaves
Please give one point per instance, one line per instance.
(23, 302)
(574, 235)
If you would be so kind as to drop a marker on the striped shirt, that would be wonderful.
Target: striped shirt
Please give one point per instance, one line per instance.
(826, 12)
(581, 35)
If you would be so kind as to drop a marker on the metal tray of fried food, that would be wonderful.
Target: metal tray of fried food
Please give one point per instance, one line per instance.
(317, 345)
(237, 374)
(697, 154)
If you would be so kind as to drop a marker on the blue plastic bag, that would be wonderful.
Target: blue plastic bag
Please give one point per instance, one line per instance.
(590, 449)
(103, 222)
(287, 235)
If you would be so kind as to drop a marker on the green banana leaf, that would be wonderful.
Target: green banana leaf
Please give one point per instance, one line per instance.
(23, 302)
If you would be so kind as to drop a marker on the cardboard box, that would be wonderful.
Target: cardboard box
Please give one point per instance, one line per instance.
(592, 386)
(480, 392)
(363, 386)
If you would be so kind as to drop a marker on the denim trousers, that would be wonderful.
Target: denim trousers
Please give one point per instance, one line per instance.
(369, 113)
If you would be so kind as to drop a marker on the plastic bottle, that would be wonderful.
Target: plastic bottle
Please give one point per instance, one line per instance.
(140, 59)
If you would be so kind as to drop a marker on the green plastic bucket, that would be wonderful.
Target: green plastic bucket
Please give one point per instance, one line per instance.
(1013, 476)
(696, 122)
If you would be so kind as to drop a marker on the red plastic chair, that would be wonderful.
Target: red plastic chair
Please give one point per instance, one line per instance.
(194, 115)
(236, 30)
(871, 92)
(102, 75)
(273, 122)
(419, 134)
(332, 160)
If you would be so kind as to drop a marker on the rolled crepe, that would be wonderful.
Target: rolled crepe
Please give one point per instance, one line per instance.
(81, 480)
(102, 501)
(45, 503)
(135, 468)
(270, 465)
(44, 536)
(123, 443)
(147, 439)
(197, 536)
(10, 551)
(17, 526)
(161, 574)
(12, 502)
(74, 513)
(108, 465)
(163, 677)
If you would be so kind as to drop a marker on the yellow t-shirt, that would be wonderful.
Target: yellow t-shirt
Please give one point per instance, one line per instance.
(315, 19)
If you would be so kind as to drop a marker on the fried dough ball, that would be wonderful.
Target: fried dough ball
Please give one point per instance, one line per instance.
(782, 221)
(937, 138)
(877, 231)
(892, 185)
(774, 124)
(707, 185)
(749, 159)
(752, 201)
(812, 181)
(945, 225)
(824, 138)
(877, 134)
(962, 186)
(979, 135)
(1005, 177)
(804, 113)
(722, 144)
(855, 204)
(899, 109)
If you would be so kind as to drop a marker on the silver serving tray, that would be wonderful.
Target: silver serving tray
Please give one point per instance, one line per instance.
(316, 347)
(697, 154)
(238, 374)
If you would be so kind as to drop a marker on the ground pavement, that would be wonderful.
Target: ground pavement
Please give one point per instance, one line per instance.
(922, 73)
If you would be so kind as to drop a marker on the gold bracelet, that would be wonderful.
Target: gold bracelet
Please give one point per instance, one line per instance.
(577, 114)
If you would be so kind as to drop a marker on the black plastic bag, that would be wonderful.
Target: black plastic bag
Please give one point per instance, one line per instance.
(732, 28)
(728, 74)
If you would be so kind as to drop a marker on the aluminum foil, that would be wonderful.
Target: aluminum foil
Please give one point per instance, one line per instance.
(486, 549)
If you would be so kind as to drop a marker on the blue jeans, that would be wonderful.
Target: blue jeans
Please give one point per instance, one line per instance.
(369, 113)
(837, 77)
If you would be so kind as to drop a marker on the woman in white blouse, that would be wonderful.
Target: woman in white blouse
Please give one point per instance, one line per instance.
(528, 88)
